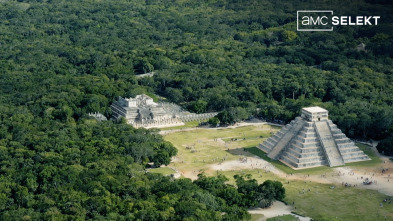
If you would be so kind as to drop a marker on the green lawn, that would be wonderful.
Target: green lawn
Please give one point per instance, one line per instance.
(240, 138)
(162, 170)
(346, 203)
(255, 217)
(283, 218)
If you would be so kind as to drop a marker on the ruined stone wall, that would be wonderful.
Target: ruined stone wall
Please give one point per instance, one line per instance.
(196, 117)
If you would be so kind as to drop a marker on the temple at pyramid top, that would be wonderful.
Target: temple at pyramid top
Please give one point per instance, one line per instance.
(314, 114)
(312, 140)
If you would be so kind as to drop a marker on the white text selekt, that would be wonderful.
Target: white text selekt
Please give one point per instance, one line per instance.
(358, 20)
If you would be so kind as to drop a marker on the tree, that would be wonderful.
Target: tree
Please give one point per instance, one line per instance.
(143, 66)
(288, 35)
(214, 121)
(272, 190)
(385, 146)
(164, 152)
(248, 189)
(198, 106)
(225, 117)
(238, 113)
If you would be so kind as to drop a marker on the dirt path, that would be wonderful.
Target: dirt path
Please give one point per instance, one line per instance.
(251, 163)
(277, 209)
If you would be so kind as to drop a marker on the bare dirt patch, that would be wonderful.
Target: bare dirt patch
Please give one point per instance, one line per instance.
(247, 163)
(277, 209)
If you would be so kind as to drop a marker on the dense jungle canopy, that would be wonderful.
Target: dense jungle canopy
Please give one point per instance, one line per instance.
(61, 59)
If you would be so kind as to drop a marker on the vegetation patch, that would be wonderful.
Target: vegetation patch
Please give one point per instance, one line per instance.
(166, 171)
(283, 218)
(256, 217)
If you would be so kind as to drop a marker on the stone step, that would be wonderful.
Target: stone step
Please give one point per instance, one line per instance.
(269, 143)
(349, 150)
(346, 145)
(343, 141)
(353, 154)
(272, 140)
(281, 133)
(336, 131)
(309, 124)
(308, 130)
(307, 134)
(312, 164)
(294, 152)
(311, 159)
(278, 135)
(304, 150)
(306, 145)
(303, 159)
(275, 138)
(307, 140)
(292, 157)
(356, 159)
(264, 148)
(287, 160)
(298, 124)
(339, 136)
(328, 144)
(298, 157)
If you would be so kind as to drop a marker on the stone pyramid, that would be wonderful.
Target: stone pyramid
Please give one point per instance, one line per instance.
(312, 140)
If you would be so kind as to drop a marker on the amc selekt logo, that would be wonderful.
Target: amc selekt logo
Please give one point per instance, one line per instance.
(323, 20)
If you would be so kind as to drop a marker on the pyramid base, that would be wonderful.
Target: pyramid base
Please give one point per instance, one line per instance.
(301, 168)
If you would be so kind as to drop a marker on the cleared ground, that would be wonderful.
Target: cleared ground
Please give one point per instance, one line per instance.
(200, 148)
(163, 170)
(309, 192)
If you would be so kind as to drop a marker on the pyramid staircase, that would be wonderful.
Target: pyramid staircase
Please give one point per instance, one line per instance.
(328, 143)
(286, 138)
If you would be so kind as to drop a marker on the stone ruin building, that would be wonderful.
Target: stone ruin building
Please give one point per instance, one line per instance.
(98, 116)
(312, 140)
(142, 111)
